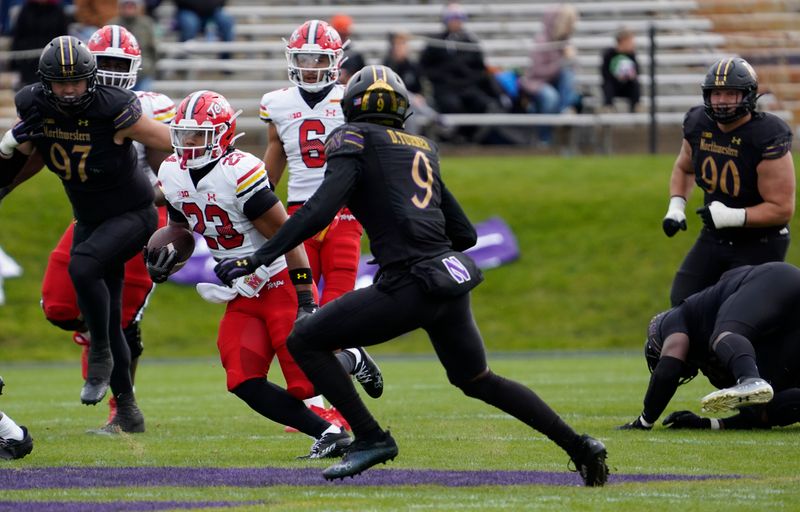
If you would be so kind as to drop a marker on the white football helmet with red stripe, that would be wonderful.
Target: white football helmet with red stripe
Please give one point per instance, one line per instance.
(314, 55)
(203, 129)
(118, 56)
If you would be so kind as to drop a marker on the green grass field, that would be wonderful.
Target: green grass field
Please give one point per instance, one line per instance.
(192, 421)
(594, 267)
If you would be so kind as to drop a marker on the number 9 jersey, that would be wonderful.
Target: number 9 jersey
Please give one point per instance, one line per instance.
(221, 203)
(303, 130)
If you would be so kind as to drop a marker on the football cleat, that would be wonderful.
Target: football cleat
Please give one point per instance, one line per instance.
(128, 419)
(98, 377)
(362, 455)
(13, 449)
(329, 445)
(750, 391)
(368, 375)
(81, 338)
(590, 461)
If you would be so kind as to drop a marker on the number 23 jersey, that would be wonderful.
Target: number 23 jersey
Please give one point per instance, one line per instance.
(217, 207)
(303, 131)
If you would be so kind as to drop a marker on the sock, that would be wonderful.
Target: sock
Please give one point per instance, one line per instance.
(349, 358)
(333, 429)
(9, 429)
(316, 401)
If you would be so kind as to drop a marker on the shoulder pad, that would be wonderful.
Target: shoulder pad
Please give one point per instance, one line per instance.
(267, 104)
(345, 140)
(248, 171)
(694, 120)
(157, 106)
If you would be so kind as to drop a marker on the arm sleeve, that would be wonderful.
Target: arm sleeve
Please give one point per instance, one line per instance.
(317, 212)
(663, 384)
(259, 202)
(458, 228)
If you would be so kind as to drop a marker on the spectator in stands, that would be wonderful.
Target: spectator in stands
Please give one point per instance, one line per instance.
(453, 63)
(90, 15)
(398, 59)
(38, 22)
(620, 71)
(549, 80)
(7, 8)
(132, 16)
(353, 61)
(193, 16)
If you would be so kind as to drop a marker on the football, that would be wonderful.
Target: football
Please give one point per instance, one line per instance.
(175, 237)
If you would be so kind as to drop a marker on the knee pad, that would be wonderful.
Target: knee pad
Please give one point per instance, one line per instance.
(479, 388)
(133, 335)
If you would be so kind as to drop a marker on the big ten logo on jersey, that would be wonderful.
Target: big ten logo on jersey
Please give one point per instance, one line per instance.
(295, 115)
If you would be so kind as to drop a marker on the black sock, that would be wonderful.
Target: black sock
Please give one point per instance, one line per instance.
(736, 353)
(276, 404)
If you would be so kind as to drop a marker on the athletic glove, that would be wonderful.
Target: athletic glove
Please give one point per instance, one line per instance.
(160, 263)
(675, 219)
(637, 424)
(232, 268)
(687, 420)
(32, 127)
(305, 304)
(716, 215)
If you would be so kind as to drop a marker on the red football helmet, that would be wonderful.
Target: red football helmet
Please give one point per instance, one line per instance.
(118, 56)
(203, 129)
(314, 54)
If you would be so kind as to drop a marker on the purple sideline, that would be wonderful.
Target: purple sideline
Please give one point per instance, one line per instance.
(84, 477)
(114, 506)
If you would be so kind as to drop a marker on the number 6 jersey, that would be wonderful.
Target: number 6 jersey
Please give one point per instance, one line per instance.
(219, 201)
(303, 130)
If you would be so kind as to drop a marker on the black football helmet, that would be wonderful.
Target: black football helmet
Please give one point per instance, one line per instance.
(653, 345)
(732, 73)
(67, 59)
(376, 94)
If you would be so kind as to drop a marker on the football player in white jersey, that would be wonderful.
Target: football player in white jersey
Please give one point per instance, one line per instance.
(299, 120)
(118, 60)
(224, 194)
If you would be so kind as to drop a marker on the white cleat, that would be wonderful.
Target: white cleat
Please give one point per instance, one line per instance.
(750, 391)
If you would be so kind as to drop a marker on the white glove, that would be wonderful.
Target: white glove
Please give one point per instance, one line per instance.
(716, 215)
(675, 218)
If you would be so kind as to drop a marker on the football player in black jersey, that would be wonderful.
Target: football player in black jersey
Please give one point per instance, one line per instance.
(83, 130)
(391, 182)
(743, 333)
(740, 159)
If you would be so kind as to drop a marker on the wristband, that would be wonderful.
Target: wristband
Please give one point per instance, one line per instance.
(677, 203)
(301, 276)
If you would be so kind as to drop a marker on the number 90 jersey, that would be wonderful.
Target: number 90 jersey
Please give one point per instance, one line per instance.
(303, 131)
(215, 207)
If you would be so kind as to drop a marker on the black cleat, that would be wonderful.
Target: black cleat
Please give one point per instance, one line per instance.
(362, 455)
(369, 375)
(13, 449)
(101, 364)
(128, 419)
(329, 445)
(590, 461)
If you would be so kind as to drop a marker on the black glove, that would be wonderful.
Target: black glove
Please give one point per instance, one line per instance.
(305, 304)
(635, 425)
(32, 127)
(229, 269)
(672, 226)
(160, 263)
(686, 419)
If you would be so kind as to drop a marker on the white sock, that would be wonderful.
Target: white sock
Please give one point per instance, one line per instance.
(316, 401)
(357, 354)
(9, 429)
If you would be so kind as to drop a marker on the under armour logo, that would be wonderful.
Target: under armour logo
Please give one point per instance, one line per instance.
(330, 112)
(736, 140)
(456, 269)
(241, 263)
(302, 276)
(212, 197)
(83, 122)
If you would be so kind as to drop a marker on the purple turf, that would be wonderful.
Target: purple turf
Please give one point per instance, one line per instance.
(84, 477)
(114, 506)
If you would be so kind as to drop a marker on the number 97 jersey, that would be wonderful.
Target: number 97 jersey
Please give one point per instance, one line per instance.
(303, 131)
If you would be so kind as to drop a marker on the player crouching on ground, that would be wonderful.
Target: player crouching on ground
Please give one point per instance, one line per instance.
(742, 333)
(223, 194)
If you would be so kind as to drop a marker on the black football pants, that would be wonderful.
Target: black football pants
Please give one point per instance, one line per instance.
(97, 269)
